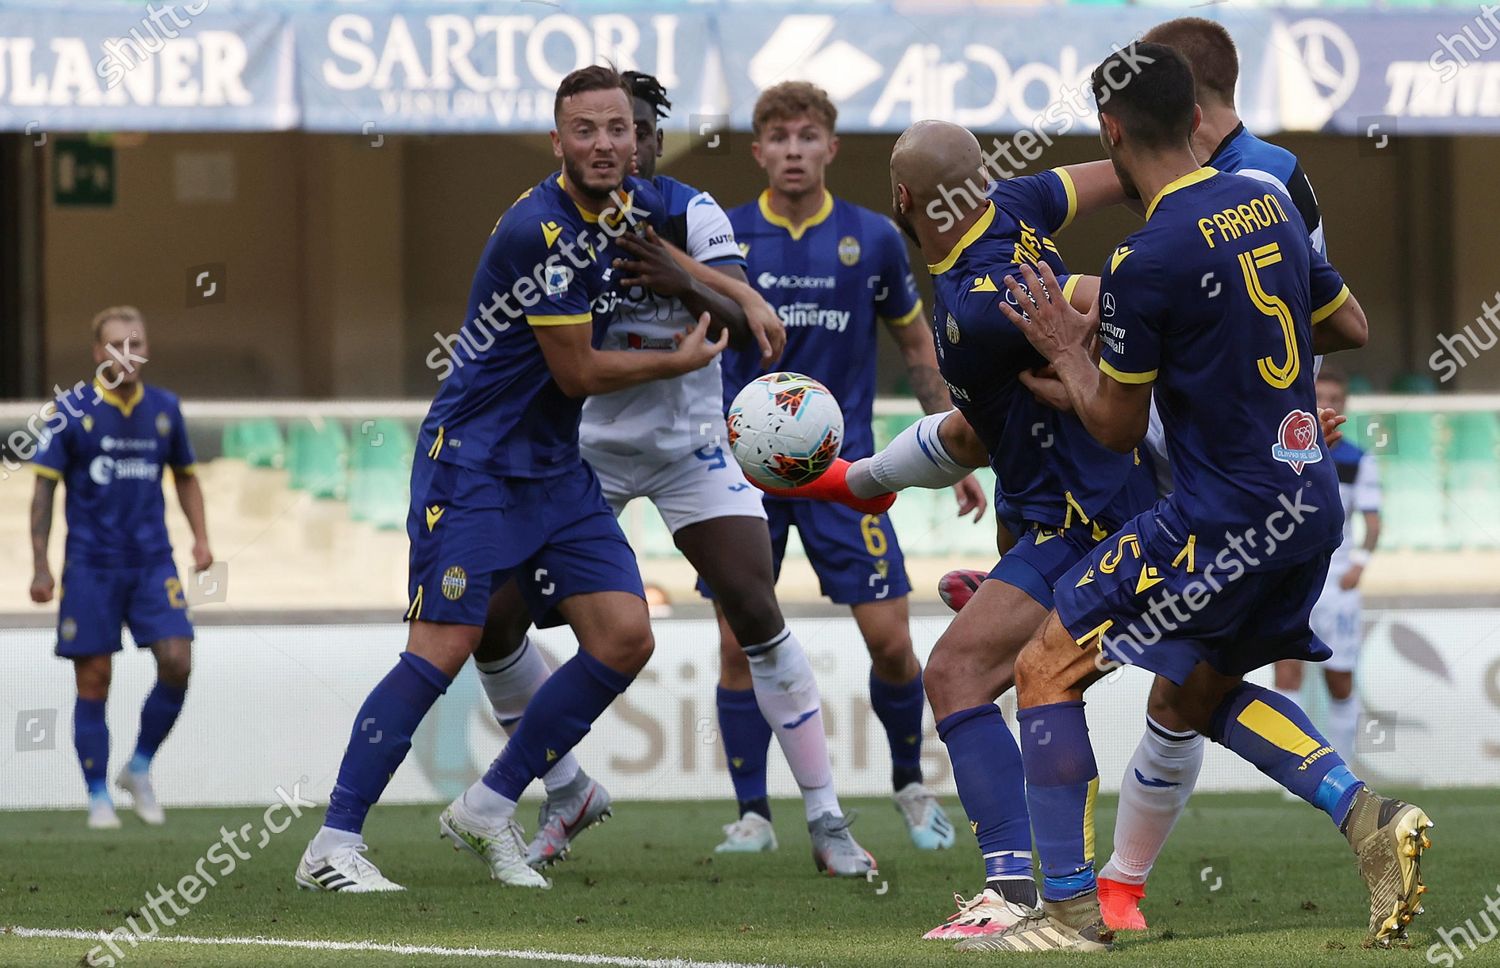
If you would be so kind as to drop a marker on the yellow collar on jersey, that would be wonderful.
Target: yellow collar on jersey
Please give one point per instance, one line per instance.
(118, 402)
(1191, 178)
(620, 211)
(980, 226)
(796, 231)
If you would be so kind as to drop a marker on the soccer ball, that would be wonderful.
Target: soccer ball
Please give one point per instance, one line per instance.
(785, 429)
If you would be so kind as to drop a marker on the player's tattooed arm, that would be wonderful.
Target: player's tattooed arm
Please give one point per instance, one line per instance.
(1115, 413)
(582, 371)
(190, 498)
(660, 266)
(42, 499)
(1346, 328)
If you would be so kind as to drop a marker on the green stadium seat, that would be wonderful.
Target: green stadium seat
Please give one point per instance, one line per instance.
(257, 442)
(1473, 480)
(317, 457)
(380, 473)
(1474, 437)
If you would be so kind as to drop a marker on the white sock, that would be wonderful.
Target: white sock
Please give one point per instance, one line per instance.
(487, 806)
(1148, 809)
(327, 839)
(787, 694)
(510, 683)
(1343, 723)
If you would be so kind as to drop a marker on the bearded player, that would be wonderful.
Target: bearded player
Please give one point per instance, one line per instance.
(661, 441)
(501, 494)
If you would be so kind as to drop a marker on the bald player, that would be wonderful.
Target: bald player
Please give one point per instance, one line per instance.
(1065, 490)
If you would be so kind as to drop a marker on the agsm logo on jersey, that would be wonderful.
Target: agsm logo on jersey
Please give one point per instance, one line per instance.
(1297, 441)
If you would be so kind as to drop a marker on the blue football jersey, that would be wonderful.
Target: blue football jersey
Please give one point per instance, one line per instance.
(831, 280)
(547, 263)
(109, 453)
(1048, 468)
(1213, 301)
(1242, 153)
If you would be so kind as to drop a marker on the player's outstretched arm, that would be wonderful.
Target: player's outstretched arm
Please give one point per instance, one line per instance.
(766, 328)
(1096, 187)
(582, 371)
(1346, 328)
(662, 267)
(1115, 413)
(190, 498)
(42, 583)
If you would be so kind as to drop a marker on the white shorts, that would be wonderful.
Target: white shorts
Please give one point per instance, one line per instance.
(1336, 620)
(698, 486)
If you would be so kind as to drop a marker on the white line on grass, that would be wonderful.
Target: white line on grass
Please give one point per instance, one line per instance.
(376, 946)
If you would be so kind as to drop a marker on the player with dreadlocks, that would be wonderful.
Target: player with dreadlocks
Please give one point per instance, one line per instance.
(662, 441)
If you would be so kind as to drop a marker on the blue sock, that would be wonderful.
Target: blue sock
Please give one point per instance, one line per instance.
(987, 771)
(560, 714)
(381, 737)
(899, 709)
(91, 740)
(1062, 781)
(747, 741)
(163, 703)
(1276, 737)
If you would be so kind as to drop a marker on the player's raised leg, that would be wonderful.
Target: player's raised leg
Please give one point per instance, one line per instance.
(512, 669)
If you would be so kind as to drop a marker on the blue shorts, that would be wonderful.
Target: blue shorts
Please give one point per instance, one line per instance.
(1041, 556)
(471, 532)
(94, 603)
(1141, 599)
(855, 556)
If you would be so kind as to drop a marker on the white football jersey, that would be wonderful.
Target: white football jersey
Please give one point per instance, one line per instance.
(664, 419)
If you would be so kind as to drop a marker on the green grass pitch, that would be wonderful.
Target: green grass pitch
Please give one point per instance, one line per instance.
(647, 886)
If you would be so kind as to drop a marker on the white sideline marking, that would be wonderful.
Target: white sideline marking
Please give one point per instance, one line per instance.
(376, 946)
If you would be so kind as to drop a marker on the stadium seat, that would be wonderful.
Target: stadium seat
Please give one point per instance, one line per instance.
(1473, 480)
(257, 442)
(1412, 473)
(318, 457)
(380, 473)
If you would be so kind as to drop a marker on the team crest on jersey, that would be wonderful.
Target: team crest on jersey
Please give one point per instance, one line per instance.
(163, 424)
(557, 280)
(744, 248)
(848, 250)
(952, 329)
(455, 583)
(69, 630)
(88, 424)
(1297, 441)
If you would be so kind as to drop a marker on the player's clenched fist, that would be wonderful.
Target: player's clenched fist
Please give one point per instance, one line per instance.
(42, 587)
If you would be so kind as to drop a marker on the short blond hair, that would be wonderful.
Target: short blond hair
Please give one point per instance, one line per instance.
(794, 99)
(126, 314)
